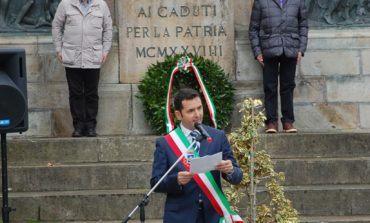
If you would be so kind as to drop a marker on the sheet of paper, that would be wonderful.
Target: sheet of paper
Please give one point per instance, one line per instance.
(205, 163)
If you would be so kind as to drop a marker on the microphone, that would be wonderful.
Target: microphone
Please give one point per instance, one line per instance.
(203, 132)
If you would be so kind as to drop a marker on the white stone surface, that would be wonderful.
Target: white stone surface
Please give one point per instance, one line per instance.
(53, 70)
(34, 68)
(328, 63)
(115, 109)
(326, 117)
(309, 90)
(140, 125)
(242, 11)
(47, 96)
(26, 42)
(348, 89)
(335, 39)
(365, 55)
(62, 123)
(109, 73)
(247, 69)
(39, 123)
(365, 116)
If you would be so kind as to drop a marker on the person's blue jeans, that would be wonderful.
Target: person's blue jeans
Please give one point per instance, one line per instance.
(275, 69)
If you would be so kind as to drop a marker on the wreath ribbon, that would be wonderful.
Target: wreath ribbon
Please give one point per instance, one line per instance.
(185, 65)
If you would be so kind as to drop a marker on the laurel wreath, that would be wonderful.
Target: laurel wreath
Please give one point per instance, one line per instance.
(153, 90)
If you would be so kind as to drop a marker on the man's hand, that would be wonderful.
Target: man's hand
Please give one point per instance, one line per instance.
(260, 59)
(299, 57)
(183, 177)
(104, 58)
(60, 57)
(225, 166)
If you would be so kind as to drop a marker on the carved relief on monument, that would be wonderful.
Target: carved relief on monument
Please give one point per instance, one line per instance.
(339, 12)
(27, 15)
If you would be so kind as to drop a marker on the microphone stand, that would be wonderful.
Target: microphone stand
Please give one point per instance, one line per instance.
(145, 200)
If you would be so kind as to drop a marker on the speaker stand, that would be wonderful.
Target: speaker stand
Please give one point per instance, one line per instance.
(4, 170)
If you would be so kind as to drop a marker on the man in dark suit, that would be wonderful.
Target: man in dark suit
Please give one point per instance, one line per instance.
(186, 201)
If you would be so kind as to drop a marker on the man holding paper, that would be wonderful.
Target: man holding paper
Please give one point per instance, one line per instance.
(193, 197)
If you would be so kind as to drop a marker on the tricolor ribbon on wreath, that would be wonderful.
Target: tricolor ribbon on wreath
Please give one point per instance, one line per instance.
(185, 65)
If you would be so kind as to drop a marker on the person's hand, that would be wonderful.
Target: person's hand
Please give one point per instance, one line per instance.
(299, 57)
(59, 56)
(225, 166)
(260, 59)
(183, 177)
(104, 58)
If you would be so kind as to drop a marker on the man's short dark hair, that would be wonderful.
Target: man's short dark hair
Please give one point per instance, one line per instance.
(184, 94)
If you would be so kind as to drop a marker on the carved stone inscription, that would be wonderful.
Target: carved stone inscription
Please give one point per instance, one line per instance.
(151, 30)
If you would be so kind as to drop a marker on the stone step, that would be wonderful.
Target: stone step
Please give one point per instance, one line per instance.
(336, 219)
(110, 205)
(138, 148)
(325, 171)
(330, 200)
(87, 205)
(136, 175)
(96, 176)
(80, 150)
(316, 145)
(88, 179)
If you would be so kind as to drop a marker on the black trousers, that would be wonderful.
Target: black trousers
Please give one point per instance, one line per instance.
(83, 96)
(275, 69)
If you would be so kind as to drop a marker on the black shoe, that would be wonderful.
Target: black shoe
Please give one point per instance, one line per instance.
(91, 133)
(77, 133)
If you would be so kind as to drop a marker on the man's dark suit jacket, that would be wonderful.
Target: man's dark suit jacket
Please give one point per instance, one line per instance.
(182, 201)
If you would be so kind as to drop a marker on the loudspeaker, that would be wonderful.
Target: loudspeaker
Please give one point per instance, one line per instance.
(13, 90)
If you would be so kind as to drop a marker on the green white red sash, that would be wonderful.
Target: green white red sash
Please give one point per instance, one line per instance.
(179, 144)
(185, 65)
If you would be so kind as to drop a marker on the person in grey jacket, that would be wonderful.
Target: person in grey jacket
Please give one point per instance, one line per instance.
(278, 33)
(82, 35)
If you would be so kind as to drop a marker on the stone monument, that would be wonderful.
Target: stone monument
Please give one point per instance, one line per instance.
(324, 13)
(27, 15)
(151, 30)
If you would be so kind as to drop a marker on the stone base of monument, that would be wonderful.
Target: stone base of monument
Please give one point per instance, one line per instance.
(332, 92)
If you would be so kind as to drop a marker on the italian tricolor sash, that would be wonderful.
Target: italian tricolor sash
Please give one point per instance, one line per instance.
(184, 65)
(179, 144)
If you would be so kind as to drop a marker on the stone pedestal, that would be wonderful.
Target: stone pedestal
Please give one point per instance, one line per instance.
(332, 92)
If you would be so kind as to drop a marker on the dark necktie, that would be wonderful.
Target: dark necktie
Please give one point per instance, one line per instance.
(281, 3)
(194, 135)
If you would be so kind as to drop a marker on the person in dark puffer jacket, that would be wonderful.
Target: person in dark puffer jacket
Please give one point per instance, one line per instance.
(278, 33)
